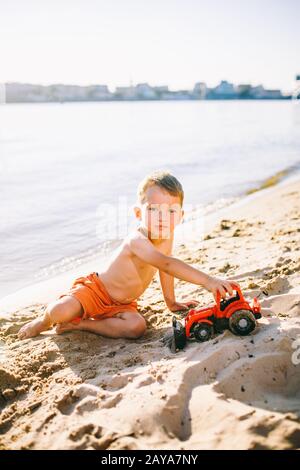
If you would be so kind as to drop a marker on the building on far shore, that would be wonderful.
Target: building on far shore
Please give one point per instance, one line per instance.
(200, 90)
(125, 93)
(24, 93)
(144, 91)
(224, 90)
(257, 92)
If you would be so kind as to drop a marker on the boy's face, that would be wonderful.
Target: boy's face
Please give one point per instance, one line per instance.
(160, 213)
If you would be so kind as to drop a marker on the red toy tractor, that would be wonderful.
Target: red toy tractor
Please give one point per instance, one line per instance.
(233, 313)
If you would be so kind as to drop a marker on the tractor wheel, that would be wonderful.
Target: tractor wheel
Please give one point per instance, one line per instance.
(202, 332)
(242, 322)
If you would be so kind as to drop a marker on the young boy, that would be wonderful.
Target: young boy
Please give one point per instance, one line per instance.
(106, 302)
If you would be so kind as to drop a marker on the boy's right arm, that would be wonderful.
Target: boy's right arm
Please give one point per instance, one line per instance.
(145, 250)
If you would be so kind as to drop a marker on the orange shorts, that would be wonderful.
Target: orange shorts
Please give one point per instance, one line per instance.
(94, 298)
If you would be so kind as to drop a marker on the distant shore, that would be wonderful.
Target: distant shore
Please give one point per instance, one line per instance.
(29, 93)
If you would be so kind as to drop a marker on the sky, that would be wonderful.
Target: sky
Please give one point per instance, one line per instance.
(162, 42)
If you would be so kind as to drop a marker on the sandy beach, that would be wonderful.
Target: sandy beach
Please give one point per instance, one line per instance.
(82, 391)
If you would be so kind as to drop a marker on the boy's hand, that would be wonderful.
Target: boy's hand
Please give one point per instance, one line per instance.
(215, 285)
(175, 306)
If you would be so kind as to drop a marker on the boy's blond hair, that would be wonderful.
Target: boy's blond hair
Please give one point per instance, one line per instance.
(164, 180)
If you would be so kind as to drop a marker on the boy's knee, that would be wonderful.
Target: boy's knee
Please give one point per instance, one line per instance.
(58, 310)
(53, 310)
(64, 309)
(137, 328)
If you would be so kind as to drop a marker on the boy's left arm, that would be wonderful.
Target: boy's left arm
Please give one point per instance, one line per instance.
(167, 286)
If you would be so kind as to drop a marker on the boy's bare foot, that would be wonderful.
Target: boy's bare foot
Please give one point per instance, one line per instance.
(32, 328)
(62, 327)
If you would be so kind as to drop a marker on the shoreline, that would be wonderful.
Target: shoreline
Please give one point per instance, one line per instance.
(45, 290)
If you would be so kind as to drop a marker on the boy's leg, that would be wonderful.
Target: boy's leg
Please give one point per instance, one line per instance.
(62, 310)
(128, 324)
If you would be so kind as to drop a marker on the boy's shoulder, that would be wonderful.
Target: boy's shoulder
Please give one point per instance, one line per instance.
(139, 235)
(136, 234)
(136, 241)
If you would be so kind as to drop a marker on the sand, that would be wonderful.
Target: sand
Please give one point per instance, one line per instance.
(83, 391)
